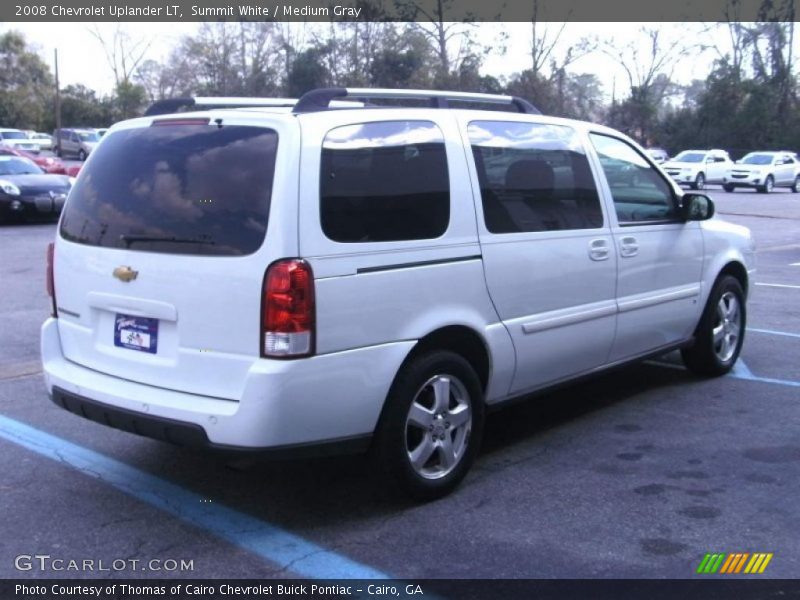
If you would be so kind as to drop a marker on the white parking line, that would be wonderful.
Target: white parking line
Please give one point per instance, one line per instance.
(797, 264)
(780, 285)
(773, 332)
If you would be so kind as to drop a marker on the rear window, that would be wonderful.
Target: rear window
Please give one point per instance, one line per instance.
(177, 189)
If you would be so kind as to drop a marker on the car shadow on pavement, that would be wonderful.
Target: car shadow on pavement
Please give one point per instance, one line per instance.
(306, 493)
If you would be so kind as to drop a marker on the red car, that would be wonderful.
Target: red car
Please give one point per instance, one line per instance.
(73, 170)
(48, 164)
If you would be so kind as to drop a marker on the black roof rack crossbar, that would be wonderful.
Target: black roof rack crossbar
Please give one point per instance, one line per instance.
(320, 99)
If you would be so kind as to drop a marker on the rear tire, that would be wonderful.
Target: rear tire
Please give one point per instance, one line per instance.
(431, 426)
(728, 188)
(796, 184)
(81, 155)
(720, 333)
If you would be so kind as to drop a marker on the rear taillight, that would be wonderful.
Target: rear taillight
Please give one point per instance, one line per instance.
(287, 310)
(51, 284)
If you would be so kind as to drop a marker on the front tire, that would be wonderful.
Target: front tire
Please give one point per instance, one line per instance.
(769, 184)
(431, 427)
(720, 333)
(81, 155)
(699, 182)
(728, 188)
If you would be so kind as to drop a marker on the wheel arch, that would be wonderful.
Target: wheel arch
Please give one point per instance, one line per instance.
(736, 269)
(459, 339)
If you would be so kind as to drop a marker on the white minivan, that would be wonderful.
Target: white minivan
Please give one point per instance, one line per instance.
(330, 276)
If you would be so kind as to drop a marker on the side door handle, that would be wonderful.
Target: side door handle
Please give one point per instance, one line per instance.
(628, 246)
(598, 250)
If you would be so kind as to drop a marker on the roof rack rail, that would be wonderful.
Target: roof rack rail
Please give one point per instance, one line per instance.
(320, 99)
(171, 105)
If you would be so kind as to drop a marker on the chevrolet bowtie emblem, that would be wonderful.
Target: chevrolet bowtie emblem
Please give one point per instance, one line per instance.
(125, 273)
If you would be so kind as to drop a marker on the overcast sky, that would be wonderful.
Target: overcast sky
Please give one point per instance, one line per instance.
(81, 59)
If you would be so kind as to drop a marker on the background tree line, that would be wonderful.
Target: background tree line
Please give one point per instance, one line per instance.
(749, 99)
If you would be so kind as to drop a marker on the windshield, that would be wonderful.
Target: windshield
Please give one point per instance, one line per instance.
(13, 135)
(11, 165)
(757, 159)
(690, 157)
(88, 136)
(177, 189)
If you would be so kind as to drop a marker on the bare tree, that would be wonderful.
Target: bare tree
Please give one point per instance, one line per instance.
(649, 56)
(123, 53)
(442, 35)
(546, 40)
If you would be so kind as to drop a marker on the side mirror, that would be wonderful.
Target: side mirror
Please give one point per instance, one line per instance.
(696, 207)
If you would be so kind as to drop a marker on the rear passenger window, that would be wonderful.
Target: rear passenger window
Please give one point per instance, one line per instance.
(533, 177)
(640, 194)
(385, 181)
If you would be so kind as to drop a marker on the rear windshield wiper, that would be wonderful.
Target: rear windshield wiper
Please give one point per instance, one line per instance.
(132, 239)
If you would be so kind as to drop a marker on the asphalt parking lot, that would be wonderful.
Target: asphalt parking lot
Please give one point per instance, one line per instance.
(637, 473)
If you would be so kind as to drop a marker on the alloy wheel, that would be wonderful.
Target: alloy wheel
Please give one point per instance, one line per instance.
(727, 326)
(438, 426)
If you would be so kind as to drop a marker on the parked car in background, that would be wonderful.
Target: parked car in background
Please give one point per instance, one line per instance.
(696, 168)
(102, 131)
(49, 164)
(44, 140)
(27, 191)
(659, 155)
(764, 171)
(75, 142)
(14, 138)
(406, 271)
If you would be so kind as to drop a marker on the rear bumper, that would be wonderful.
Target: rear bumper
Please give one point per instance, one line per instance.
(289, 407)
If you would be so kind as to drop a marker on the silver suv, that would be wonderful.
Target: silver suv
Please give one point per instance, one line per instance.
(75, 142)
(366, 277)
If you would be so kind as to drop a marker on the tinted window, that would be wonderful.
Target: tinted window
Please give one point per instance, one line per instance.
(639, 192)
(182, 189)
(533, 177)
(384, 182)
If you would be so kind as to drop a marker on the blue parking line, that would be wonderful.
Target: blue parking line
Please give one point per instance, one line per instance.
(267, 541)
(773, 332)
(741, 371)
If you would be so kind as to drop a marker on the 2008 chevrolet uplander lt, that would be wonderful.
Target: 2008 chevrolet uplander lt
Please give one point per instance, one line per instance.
(344, 274)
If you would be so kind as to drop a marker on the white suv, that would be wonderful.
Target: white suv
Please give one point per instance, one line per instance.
(764, 171)
(696, 168)
(310, 278)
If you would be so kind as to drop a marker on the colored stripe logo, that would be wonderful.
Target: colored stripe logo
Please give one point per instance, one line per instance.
(734, 562)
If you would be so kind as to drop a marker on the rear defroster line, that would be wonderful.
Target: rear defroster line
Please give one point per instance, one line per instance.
(272, 543)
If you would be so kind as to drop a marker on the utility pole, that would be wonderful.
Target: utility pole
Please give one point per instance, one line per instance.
(58, 106)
